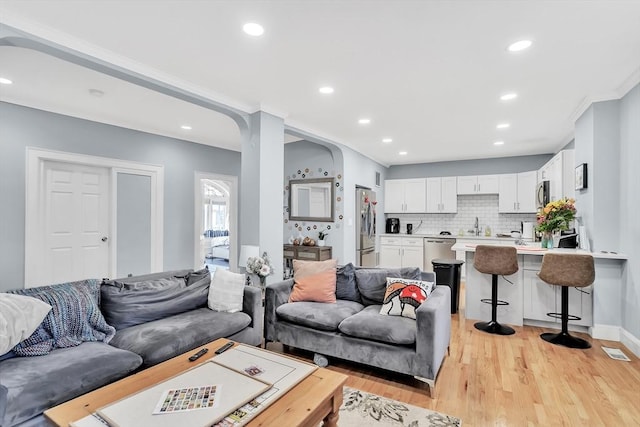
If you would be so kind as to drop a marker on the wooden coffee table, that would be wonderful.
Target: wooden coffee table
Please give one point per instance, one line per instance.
(315, 399)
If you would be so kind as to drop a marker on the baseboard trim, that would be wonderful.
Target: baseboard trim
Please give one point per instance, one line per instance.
(631, 342)
(605, 332)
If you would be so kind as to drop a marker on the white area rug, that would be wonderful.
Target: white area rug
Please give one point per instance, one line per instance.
(366, 409)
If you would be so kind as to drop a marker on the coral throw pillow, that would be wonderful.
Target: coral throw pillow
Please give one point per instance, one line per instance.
(314, 281)
(403, 297)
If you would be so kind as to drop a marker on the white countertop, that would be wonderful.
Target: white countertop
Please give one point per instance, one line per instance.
(535, 249)
(452, 236)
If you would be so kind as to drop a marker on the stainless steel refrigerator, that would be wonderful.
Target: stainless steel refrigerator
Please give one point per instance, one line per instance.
(365, 227)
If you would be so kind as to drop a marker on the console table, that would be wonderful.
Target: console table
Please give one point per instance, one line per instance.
(306, 253)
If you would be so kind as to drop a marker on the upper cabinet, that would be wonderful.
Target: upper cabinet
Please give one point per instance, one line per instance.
(442, 195)
(517, 192)
(405, 195)
(559, 171)
(481, 184)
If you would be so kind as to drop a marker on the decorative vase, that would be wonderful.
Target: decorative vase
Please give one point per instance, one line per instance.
(321, 242)
(547, 240)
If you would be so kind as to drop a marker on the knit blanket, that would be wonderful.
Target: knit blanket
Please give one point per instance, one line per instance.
(75, 317)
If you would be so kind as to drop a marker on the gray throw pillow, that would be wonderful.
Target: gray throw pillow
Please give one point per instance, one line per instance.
(128, 303)
(346, 287)
(372, 282)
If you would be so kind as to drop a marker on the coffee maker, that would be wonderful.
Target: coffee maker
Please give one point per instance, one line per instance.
(393, 226)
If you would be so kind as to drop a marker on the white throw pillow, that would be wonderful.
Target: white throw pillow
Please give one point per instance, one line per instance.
(226, 291)
(19, 317)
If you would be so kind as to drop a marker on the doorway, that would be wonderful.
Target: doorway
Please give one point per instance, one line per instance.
(79, 217)
(216, 211)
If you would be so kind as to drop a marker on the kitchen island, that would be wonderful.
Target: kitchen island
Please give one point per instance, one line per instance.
(530, 299)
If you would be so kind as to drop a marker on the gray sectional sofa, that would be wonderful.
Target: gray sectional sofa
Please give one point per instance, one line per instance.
(149, 319)
(353, 328)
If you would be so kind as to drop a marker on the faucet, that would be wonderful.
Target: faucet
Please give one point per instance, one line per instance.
(476, 228)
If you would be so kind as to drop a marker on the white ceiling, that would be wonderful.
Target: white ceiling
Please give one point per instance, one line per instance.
(427, 73)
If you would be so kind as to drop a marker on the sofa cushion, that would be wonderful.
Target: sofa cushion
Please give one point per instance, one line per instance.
(317, 315)
(75, 317)
(372, 282)
(370, 324)
(404, 296)
(163, 339)
(133, 301)
(37, 383)
(346, 287)
(20, 316)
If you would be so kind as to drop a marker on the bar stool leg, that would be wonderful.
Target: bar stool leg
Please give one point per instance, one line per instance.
(493, 327)
(563, 338)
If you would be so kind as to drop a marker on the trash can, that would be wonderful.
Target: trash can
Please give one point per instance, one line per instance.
(448, 273)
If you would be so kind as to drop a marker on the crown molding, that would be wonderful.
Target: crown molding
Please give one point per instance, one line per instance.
(624, 88)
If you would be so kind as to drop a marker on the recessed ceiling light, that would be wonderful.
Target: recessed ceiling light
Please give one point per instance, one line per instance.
(5, 81)
(364, 121)
(387, 140)
(186, 127)
(253, 29)
(498, 143)
(326, 90)
(509, 96)
(502, 125)
(403, 153)
(96, 92)
(519, 45)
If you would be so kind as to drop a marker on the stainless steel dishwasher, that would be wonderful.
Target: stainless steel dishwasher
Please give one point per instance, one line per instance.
(437, 248)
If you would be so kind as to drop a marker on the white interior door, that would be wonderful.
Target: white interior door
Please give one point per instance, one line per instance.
(75, 218)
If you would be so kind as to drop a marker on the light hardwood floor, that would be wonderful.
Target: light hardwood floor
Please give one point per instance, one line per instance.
(517, 380)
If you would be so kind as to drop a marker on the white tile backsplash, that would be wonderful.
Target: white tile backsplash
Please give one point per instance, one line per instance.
(485, 207)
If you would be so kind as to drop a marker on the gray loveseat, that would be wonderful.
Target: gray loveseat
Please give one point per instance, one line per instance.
(353, 328)
(149, 319)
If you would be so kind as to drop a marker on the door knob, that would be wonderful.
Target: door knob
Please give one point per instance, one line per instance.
(104, 238)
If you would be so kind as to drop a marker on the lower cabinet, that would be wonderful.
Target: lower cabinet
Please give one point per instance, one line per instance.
(401, 252)
(541, 298)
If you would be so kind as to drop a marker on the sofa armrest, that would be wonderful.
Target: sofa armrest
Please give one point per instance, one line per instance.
(252, 305)
(3, 403)
(433, 332)
(276, 294)
(428, 276)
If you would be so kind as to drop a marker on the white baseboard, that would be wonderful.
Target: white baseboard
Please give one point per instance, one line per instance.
(631, 342)
(605, 332)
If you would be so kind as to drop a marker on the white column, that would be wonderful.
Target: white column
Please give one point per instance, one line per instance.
(261, 188)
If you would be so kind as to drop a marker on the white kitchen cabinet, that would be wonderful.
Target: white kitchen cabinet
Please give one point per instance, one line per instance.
(480, 184)
(405, 195)
(442, 195)
(559, 171)
(541, 298)
(401, 252)
(517, 192)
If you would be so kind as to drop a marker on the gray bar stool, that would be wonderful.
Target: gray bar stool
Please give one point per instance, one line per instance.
(497, 261)
(566, 270)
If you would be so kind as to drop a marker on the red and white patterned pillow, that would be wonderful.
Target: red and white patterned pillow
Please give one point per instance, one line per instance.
(404, 296)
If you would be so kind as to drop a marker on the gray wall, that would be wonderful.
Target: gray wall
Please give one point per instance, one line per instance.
(630, 207)
(134, 224)
(607, 138)
(25, 127)
(469, 167)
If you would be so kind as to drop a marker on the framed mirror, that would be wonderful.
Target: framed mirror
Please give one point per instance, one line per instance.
(311, 199)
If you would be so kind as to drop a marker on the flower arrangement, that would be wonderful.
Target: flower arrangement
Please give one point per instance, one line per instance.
(260, 266)
(556, 215)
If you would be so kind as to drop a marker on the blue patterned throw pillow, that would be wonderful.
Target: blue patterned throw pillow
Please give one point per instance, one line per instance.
(75, 317)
